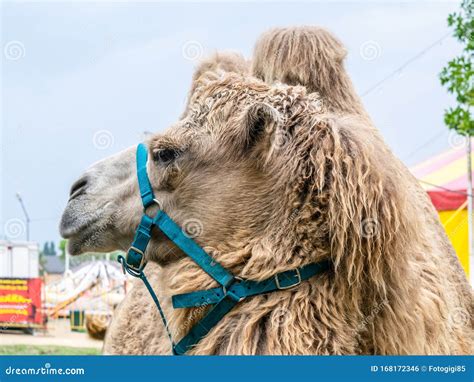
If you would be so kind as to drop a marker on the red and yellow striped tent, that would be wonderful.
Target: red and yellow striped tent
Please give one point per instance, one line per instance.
(444, 177)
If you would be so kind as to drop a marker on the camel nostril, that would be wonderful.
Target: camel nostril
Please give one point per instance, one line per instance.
(78, 188)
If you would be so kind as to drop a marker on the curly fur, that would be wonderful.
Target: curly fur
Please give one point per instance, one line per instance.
(331, 190)
(96, 325)
(312, 57)
(309, 56)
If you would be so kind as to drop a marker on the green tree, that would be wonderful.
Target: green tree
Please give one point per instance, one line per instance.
(458, 75)
(52, 248)
(62, 248)
(45, 249)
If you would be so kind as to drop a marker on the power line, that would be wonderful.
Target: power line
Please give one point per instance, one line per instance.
(407, 63)
(445, 188)
(45, 219)
(429, 141)
(398, 70)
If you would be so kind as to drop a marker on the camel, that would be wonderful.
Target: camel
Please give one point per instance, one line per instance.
(266, 180)
(279, 55)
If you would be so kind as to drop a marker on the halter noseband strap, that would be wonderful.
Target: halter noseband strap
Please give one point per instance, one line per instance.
(232, 289)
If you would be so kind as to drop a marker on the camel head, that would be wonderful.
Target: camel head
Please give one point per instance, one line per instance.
(248, 170)
(212, 171)
(197, 181)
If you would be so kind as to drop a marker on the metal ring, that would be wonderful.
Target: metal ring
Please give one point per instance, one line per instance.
(130, 270)
(236, 278)
(160, 206)
(157, 202)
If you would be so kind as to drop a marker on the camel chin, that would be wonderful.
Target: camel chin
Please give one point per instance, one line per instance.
(81, 228)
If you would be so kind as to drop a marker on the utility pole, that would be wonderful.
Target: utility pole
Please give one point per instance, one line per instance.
(27, 217)
(470, 213)
(66, 261)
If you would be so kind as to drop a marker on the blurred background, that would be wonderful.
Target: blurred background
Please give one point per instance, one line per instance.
(82, 80)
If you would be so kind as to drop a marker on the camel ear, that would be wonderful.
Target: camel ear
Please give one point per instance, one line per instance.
(218, 64)
(263, 124)
(213, 68)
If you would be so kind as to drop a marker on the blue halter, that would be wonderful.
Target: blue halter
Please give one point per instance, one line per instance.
(232, 289)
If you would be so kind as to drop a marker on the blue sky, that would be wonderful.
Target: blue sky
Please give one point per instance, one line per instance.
(82, 80)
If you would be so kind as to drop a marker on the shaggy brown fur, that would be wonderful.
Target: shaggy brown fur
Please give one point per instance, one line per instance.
(219, 62)
(308, 56)
(96, 325)
(276, 184)
(312, 57)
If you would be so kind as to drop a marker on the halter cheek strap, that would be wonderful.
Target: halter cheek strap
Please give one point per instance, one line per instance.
(232, 289)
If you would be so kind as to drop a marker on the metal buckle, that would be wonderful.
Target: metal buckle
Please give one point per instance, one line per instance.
(157, 202)
(226, 291)
(298, 276)
(142, 261)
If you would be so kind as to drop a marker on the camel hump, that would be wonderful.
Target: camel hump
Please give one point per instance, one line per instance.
(308, 56)
(298, 56)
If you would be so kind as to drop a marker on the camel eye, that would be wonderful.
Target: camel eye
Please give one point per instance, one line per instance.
(165, 156)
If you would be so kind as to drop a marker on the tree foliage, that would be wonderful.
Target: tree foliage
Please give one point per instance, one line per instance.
(458, 74)
(62, 248)
(49, 249)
